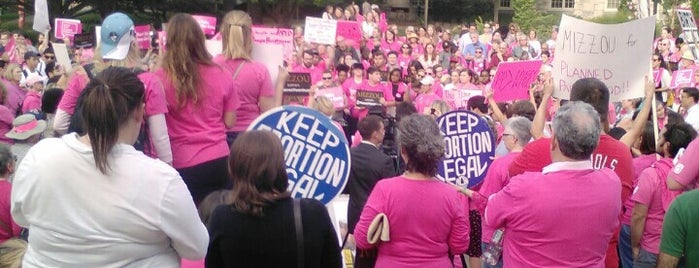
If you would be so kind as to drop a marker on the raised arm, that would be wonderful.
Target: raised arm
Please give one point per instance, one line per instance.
(642, 118)
(540, 117)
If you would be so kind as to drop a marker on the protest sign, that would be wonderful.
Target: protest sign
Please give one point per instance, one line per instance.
(296, 88)
(689, 29)
(62, 58)
(67, 28)
(316, 152)
(98, 32)
(275, 36)
(350, 30)
(214, 47)
(320, 31)
(143, 36)
(609, 52)
(469, 150)
(366, 98)
(458, 97)
(682, 78)
(207, 24)
(162, 40)
(513, 79)
(268, 54)
(84, 40)
(41, 17)
(334, 94)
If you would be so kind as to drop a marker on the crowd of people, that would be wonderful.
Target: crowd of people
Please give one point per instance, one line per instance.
(143, 158)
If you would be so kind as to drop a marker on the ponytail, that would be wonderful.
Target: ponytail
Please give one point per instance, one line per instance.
(109, 100)
(236, 31)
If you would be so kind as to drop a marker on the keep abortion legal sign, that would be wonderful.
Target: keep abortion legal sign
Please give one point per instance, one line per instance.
(316, 152)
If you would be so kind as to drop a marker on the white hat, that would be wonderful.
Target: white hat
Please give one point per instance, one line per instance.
(32, 79)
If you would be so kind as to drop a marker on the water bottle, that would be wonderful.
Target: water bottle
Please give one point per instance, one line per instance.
(493, 252)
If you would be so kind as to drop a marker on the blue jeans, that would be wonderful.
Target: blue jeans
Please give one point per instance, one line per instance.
(484, 246)
(624, 247)
(645, 259)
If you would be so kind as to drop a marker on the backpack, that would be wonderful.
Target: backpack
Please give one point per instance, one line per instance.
(76, 121)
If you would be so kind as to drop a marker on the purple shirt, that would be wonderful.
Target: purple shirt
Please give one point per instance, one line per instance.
(564, 216)
(428, 221)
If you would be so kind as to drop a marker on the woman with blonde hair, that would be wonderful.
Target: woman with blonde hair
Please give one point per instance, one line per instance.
(15, 95)
(12, 252)
(203, 103)
(253, 83)
(118, 48)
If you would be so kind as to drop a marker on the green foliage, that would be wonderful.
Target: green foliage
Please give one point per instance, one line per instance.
(460, 10)
(528, 18)
(619, 17)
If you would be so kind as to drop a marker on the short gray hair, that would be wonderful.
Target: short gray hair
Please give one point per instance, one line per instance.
(577, 128)
(521, 129)
(419, 136)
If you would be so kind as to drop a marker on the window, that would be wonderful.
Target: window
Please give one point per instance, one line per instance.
(562, 3)
(504, 3)
(612, 4)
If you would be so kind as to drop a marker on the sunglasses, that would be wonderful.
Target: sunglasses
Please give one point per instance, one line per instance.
(479, 52)
(327, 78)
(49, 57)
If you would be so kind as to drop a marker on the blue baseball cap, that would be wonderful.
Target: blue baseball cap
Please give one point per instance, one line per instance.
(116, 34)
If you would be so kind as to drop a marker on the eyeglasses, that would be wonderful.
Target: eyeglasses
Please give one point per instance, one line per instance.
(49, 57)
(479, 52)
(327, 78)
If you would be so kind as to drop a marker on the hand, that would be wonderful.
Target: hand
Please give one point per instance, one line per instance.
(283, 74)
(650, 87)
(548, 87)
(489, 94)
(635, 251)
(382, 101)
(312, 91)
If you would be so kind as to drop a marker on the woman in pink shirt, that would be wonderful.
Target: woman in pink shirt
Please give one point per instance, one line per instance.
(390, 43)
(427, 217)
(253, 82)
(202, 105)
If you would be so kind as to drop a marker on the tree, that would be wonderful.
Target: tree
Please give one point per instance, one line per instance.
(525, 13)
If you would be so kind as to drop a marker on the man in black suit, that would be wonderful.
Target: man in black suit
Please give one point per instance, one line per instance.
(369, 165)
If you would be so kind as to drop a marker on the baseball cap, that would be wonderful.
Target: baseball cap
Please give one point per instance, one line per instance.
(30, 54)
(116, 36)
(33, 79)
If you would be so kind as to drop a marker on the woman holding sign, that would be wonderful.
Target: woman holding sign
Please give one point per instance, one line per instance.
(429, 211)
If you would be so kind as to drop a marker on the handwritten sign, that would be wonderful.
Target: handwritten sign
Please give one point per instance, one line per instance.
(350, 30)
(143, 37)
(316, 152)
(296, 88)
(334, 94)
(366, 98)
(512, 80)
(275, 36)
(689, 29)
(458, 97)
(84, 40)
(469, 150)
(682, 78)
(67, 28)
(207, 24)
(320, 31)
(609, 52)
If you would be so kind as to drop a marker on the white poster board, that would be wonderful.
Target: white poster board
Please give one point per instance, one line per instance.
(270, 55)
(617, 54)
(214, 47)
(62, 57)
(320, 31)
(689, 30)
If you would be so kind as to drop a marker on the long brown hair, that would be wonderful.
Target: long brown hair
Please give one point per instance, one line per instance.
(109, 100)
(185, 52)
(257, 169)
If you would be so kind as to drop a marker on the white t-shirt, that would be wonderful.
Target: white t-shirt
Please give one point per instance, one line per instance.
(139, 215)
(692, 117)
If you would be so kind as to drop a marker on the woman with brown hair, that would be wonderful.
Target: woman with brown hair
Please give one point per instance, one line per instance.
(257, 227)
(202, 102)
(95, 201)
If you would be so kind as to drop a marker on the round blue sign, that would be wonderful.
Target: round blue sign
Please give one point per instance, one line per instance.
(316, 151)
(469, 148)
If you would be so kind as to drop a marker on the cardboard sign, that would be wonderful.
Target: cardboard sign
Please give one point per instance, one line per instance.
(143, 37)
(320, 31)
(268, 54)
(616, 54)
(469, 151)
(458, 97)
(366, 98)
(316, 152)
(334, 94)
(513, 79)
(296, 88)
(84, 40)
(67, 28)
(62, 57)
(350, 30)
(682, 78)
(275, 36)
(207, 24)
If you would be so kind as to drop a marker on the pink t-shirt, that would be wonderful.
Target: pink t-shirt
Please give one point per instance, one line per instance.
(649, 191)
(564, 218)
(388, 47)
(423, 101)
(428, 221)
(253, 82)
(6, 118)
(197, 132)
(315, 71)
(5, 215)
(686, 171)
(383, 87)
(639, 164)
(349, 87)
(495, 179)
(32, 102)
(15, 95)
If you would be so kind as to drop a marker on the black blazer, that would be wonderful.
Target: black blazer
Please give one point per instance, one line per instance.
(369, 165)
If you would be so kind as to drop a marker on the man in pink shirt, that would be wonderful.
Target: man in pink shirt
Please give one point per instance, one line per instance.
(307, 66)
(565, 215)
(685, 174)
(373, 84)
(652, 198)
